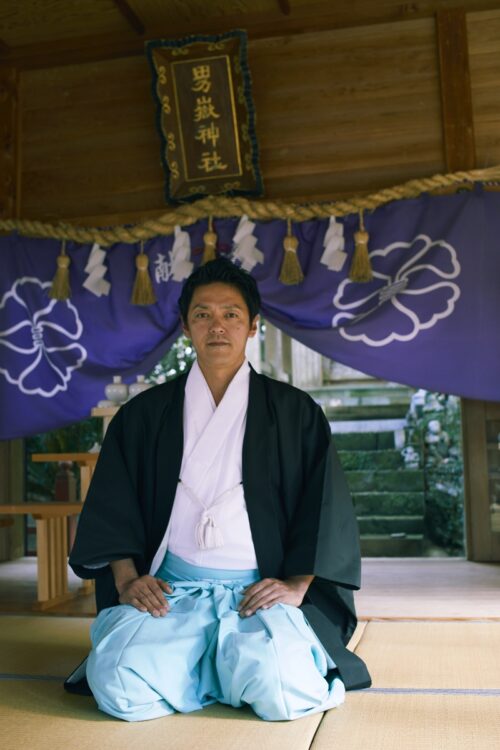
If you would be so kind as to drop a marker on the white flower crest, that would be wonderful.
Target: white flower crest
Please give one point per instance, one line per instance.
(35, 342)
(404, 290)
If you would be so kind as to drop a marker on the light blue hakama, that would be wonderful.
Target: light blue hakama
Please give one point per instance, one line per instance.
(202, 652)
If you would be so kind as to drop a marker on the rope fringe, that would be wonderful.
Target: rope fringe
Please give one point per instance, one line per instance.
(188, 214)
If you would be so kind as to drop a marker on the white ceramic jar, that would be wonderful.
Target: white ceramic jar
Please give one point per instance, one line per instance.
(116, 391)
(138, 387)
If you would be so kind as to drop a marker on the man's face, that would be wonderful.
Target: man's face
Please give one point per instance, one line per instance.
(219, 326)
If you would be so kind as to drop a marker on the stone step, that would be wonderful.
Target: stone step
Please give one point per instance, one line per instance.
(364, 441)
(391, 525)
(402, 480)
(382, 459)
(378, 409)
(383, 545)
(388, 503)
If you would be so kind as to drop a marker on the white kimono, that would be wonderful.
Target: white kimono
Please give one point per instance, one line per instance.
(209, 523)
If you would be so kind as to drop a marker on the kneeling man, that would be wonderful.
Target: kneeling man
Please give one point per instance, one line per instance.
(221, 534)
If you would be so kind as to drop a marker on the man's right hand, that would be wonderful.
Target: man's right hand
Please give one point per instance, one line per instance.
(146, 594)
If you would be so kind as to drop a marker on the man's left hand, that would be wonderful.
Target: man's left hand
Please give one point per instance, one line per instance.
(269, 591)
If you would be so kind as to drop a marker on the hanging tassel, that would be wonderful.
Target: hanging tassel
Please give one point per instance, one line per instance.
(143, 292)
(361, 267)
(208, 535)
(60, 288)
(291, 272)
(210, 240)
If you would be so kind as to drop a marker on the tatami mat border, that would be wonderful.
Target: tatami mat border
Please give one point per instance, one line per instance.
(433, 691)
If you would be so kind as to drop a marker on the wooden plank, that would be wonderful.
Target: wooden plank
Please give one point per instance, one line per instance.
(477, 504)
(41, 510)
(43, 23)
(484, 59)
(130, 16)
(81, 457)
(9, 137)
(85, 477)
(91, 147)
(306, 17)
(456, 97)
(43, 552)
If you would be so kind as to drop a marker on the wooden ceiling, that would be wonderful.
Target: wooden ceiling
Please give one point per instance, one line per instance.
(40, 33)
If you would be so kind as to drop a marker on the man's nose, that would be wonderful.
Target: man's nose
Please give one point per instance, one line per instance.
(217, 323)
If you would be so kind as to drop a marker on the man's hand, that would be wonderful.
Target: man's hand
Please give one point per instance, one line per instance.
(146, 594)
(269, 591)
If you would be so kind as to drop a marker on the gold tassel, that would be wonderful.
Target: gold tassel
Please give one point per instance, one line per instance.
(291, 272)
(361, 267)
(210, 240)
(143, 292)
(60, 288)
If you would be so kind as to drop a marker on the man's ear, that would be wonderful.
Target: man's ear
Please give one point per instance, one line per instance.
(254, 327)
(185, 329)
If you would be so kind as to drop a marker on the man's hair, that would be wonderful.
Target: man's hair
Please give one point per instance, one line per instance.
(223, 271)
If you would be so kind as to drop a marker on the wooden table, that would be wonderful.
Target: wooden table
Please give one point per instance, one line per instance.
(85, 461)
(52, 547)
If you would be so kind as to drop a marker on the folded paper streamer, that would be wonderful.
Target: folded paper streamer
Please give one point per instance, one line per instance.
(181, 255)
(245, 245)
(334, 256)
(96, 270)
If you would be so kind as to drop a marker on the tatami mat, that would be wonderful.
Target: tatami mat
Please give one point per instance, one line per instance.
(53, 646)
(41, 716)
(40, 645)
(436, 686)
(432, 654)
(356, 636)
(411, 722)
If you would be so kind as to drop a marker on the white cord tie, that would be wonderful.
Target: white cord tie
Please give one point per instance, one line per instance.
(208, 535)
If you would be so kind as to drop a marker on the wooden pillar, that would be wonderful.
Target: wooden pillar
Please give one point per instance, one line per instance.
(460, 153)
(9, 142)
(456, 95)
(11, 451)
(11, 491)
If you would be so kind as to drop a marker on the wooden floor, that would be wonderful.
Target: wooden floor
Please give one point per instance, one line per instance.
(392, 588)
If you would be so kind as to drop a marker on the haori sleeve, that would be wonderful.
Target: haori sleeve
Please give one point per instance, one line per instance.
(111, 526)
(323, 538)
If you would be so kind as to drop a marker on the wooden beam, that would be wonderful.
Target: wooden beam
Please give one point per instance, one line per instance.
(130, 16)
(307, 18)
(284, 6)
(9, 143)
(456, 95)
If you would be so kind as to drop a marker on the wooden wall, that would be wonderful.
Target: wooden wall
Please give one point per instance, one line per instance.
(339, 112)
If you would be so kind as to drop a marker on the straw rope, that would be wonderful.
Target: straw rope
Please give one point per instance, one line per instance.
(222, 207)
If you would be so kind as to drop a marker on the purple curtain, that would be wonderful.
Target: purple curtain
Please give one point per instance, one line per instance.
(430, 317)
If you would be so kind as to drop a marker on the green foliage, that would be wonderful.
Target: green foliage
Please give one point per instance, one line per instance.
(434, 424)
(176, 360)
(76, 438)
